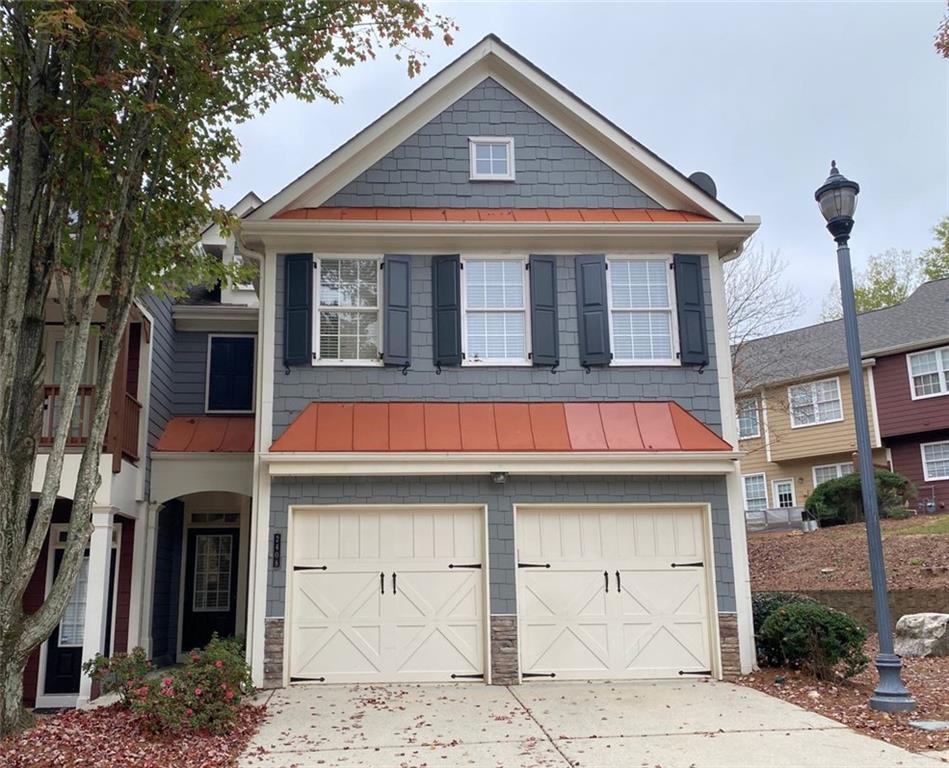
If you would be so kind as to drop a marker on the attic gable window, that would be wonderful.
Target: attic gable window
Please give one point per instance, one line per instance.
(492, 158)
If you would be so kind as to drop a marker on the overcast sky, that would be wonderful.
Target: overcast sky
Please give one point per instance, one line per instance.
(760, 95)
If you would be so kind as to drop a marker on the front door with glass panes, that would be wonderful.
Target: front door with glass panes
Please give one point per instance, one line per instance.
(784, 493)
(210, 604)
(64, 647)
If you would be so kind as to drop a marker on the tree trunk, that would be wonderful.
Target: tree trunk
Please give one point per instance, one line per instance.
(13, 717)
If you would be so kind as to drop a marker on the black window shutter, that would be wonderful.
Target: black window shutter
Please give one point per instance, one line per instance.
(397, 321)
(690, 306)
(446, 309)
(545, 337)
(592, 311)
(231, 374)
(297, 310)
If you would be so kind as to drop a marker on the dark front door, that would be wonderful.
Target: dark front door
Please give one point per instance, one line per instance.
(210, 603)
(64, 648)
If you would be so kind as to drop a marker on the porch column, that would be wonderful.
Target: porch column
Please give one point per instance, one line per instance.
(137, 603)
(145, 576)
(97, 594)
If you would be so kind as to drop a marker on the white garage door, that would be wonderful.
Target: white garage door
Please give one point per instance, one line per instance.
(612, 593)
(387, 594)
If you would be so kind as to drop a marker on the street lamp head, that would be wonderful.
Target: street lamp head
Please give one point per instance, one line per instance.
(837, 198)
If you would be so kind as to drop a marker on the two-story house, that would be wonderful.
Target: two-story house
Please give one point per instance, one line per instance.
(495, 433)
(795, 412)
(186, 367)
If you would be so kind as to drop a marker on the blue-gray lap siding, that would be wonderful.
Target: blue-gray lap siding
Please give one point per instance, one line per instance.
(500, 500)
(694, 391)
(431, 169)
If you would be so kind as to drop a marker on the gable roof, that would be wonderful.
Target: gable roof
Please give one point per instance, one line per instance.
(920, 321)
(493, 58)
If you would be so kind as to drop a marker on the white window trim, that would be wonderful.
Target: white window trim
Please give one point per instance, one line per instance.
(943, 374)
(675, 360)
(836, 380)
(744, 492)
(473, 174)
(922, 455)
(777, 496)
(495, 362)
(836, 466)
(757, 420)
(207, 373)
(380, 299)
(230, 571)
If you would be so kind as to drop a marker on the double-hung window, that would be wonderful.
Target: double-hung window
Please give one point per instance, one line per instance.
(929, 372)
(756, 492)
(827, 472)
(816, 402)
(748, 423)
(347, 327)
(495, 311)
(491, 158)
(642, 317)
(935, 461)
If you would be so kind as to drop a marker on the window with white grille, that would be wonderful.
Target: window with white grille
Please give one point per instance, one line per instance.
(816, 402)
(748, 424)
(347, 325)
(495, 311)
(826, 472)
(929, 372)
(73, 624)
(641, 311)
(756, 492)
(491, 158)
(212, 572)
(935, 461)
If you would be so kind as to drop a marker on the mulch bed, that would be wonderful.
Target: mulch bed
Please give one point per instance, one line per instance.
(836, 558)
(112, 737)
(846, 701)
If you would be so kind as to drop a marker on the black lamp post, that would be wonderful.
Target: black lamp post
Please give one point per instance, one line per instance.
(837, 198)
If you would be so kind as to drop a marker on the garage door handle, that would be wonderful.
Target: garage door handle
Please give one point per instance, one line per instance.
(606, 580)
(382, 583)
(533, 565)
(619, 586)
(688, 565)
(465, 565)
(393, 585)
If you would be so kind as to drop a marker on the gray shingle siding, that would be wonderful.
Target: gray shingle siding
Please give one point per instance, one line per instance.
(161, 406)
(190, 371)
(430, 169)
(694, 391)
(500, 500)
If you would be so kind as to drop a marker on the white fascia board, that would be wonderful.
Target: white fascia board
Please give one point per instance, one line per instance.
(224, 317)
(528, 463)
(435, 237)
(491, 58)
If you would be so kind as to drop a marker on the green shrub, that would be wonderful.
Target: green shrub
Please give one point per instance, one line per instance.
(763, 604)
(202, 694)
(838, 501)
(814, 638)
(122, 673)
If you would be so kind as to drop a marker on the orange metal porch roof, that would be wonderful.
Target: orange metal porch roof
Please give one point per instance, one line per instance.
(208, 434)
(500, 427)
(520, 215)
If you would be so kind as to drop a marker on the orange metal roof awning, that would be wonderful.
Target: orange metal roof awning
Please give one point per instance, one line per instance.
(494, 215)
(208, 434)
(497, 427)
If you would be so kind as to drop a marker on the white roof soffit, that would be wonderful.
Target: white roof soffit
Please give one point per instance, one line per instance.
(492, 58)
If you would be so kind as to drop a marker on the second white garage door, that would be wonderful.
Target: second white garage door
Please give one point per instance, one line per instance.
(612, 592)
(387, 594)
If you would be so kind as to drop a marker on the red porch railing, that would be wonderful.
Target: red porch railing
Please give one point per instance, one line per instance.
(124, 421)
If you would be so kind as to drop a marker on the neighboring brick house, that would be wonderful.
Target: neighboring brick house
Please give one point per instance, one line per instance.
(795, 413)
(495, 436)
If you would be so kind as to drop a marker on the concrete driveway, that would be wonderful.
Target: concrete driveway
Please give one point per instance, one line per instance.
(627, 725)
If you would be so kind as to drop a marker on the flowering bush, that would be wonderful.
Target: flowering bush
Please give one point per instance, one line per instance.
(123, 673)
(203, 694)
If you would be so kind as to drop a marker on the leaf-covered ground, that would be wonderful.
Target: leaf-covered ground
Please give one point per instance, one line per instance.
(111, 737)
(846, 701)
(916, 551)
